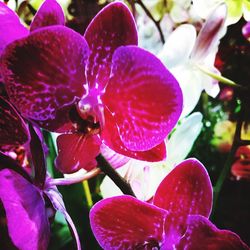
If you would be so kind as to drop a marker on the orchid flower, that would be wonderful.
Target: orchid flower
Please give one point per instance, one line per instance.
(236, 9)
(97, 88)
(25, 197)
(145, 177)
(190, 58)
(177, 219)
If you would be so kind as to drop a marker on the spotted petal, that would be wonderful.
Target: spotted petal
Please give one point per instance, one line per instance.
(41, 73)
(113, 27)
(13, 130)
(186, 190)
(143, 97)
(133, 225)
(24, 204)
(76, 151)
(50, 13)
(10, 26)
(112, 139)
(202, 234)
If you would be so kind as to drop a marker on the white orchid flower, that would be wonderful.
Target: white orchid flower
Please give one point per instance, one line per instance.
(188, 57)
(236, 9)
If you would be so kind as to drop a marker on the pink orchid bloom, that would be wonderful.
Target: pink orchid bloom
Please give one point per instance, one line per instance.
(97, 88)
(177, 219)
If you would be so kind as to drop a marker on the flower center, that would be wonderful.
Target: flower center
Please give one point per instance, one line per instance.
(150, 244)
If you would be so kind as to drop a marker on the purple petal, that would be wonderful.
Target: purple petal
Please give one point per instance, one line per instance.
(186, 190)
(24, 205)
(10, 27)
(144, 98)
(113, 27)
(112, 139)
(124, 222)
(13, 130)
(210, 33)
(50, 13)
(202, 234)
(41, 73)
(58, 204)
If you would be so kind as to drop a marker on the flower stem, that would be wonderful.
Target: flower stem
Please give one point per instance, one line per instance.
(87, 193)
(224, 173)
(114, 176)
(157, 23)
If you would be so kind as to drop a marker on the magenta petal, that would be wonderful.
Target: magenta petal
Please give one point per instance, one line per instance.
(112, 139)
(10, 26)
(27, 221)
(13, 130)
(144, 98)
(76, 151)
(114, 26)
(202, 234)
(124, 222)
(41, 73)
(50, 13)
(186, 190)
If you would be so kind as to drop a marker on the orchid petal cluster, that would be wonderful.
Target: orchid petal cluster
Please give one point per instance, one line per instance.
(191, 58)
(101, 93)
(177, 218)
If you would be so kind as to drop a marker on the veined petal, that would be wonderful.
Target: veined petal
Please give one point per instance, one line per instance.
(115, 160)
(41, 73)
(23, 203)
(76, 151)
(211, 32)
(186, 190)
(143, 97)
(133, 225)
(202, 234)
(10, 27)
(13, 130)
(113, 27)
(111, 138)
(178, 46)
(50, 13)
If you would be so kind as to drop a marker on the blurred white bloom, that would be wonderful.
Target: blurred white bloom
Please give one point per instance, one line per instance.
(186, 56)
(144, 177)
